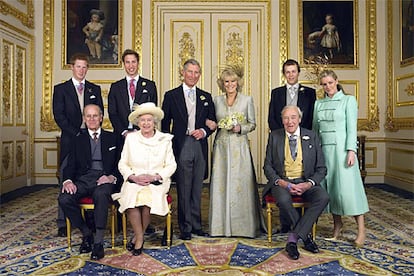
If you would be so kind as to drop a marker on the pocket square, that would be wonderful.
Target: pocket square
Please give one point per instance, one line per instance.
(92, 97)
(112, 148)
(206, 104)
(145, 91)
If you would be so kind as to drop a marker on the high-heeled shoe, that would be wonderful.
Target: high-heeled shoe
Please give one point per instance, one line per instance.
(130, 245)
(138, 251)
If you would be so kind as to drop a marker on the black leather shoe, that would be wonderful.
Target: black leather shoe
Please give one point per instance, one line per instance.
(200, 233)
(130, 245)
(292, 250)
(86, 245)
(97, 251)
(185, 236)
(310, 245)
(150, 229)
(62, 232)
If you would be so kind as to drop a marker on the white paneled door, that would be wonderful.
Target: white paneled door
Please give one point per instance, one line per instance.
(215, 38)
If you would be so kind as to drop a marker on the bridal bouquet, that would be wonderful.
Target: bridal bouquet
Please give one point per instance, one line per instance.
(231, 120)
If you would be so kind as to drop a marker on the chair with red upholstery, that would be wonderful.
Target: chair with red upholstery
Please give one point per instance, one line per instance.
(168, 227)
(297, 202)
(86, 203)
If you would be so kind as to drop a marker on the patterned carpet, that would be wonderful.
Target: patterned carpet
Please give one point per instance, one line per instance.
(29, 246)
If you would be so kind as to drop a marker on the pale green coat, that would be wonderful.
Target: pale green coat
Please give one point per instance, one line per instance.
(335, 120)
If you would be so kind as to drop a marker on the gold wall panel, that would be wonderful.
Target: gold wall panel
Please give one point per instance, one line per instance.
(399, 113)
(21, 88)
(7, 160)
(235, 47)
(404, 89)
(400, 160)
(371, 151)
(48, 155)
(7, 83)
(187, 37)
(24, 16)
(21, 158)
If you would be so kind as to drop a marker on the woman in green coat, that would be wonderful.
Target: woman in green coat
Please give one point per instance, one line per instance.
(335, 120)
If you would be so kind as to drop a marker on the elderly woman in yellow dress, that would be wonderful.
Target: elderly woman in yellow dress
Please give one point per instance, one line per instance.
(147, 163)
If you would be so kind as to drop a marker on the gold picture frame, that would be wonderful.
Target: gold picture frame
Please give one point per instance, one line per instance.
(328, 30)
(92, 28)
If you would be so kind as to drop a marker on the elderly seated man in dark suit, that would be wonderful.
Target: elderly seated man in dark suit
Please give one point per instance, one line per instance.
(91, 171)
(294, 166)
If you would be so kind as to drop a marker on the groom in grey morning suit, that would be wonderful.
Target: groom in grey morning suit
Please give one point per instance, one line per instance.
(294, 166)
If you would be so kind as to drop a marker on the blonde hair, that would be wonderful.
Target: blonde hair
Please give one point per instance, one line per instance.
(330, 73)
(236, 71)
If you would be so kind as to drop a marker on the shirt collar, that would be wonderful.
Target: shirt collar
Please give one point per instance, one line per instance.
(296, 86)
(186, 87)
(297, 133)
(91, 132)
(76, 83)
(136, 78)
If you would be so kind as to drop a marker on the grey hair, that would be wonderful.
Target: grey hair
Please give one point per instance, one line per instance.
(292, 107)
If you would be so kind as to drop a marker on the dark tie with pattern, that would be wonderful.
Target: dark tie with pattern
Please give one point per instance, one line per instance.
(292, 146)
(95, 137)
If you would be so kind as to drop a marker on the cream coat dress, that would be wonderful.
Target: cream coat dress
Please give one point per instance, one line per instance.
(142, 155)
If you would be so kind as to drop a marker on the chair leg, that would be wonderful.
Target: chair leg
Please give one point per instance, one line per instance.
(269, 222)
(124, 229)
(113, 221)
(68, 232)
(168, 222)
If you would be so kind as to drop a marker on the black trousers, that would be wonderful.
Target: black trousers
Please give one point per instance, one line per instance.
(86, 186)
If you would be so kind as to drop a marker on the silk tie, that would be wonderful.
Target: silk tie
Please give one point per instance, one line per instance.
(292, 92)
(95, 137)
(80, 88)
(191, 95)
(292, 146)
(132, 88)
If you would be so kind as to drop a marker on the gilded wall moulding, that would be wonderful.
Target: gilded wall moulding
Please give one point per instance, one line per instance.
(27, 18)
(392, 122)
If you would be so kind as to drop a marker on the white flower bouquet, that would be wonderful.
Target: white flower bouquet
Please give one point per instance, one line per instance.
(231, 120)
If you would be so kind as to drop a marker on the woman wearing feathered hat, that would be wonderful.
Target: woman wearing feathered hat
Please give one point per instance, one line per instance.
(147, 163)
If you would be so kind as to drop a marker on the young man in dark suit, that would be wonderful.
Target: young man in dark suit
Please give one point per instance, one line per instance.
(295, 166)
(186, 109)
(69, 99)
(92, 170)
(133, 89)
(124, 93)
(292, 93)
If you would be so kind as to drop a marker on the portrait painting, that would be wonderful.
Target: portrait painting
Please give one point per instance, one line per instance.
(92, 27)
(328, 32)
(407, 31)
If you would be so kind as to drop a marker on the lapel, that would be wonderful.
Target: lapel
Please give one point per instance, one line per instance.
(280, 145)
(301, 96)
(73, 94)
(87, 147)
(180, 103)
(306, 145)
(199, 105)
(283, 96)
(123, 95)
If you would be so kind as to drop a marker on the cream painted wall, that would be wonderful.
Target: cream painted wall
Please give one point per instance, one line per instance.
(389, 154)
